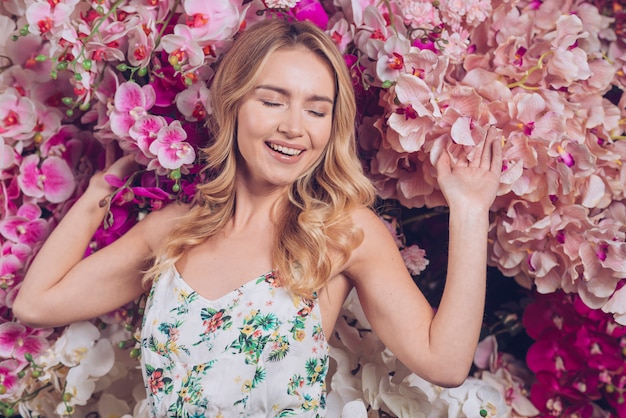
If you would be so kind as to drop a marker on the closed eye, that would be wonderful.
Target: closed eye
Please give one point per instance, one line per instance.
(270, 104)
(317, 114)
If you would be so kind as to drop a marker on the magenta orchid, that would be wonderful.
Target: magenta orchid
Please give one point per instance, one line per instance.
(51, 179)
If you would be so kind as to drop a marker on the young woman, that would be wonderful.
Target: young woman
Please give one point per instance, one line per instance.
(247, 280)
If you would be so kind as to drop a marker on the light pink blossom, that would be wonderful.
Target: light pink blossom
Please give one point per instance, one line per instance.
(414, 258)
(183, 47)
(130, 103)
(170, 147)
(17, 115)
(215, 20)
(46, 17)
(194, 102)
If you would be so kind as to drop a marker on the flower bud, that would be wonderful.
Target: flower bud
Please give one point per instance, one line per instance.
(87, 64)
(121, 67)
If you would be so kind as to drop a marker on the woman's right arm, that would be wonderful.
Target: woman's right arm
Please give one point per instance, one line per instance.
(61, 286)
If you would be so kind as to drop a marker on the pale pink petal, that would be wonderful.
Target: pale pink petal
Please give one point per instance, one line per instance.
(414, 91)
(461, 132)
(7, 156)
(594, 192)
(486, 350)
(529, 107)
(617, 306)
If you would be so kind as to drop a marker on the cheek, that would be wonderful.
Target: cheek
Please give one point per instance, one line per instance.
(323, 137)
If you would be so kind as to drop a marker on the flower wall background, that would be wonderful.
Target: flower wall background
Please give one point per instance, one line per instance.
(83, 79)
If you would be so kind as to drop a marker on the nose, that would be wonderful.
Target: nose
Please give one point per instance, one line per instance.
(291, 123)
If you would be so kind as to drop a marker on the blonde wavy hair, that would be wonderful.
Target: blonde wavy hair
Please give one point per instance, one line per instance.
(314, 231)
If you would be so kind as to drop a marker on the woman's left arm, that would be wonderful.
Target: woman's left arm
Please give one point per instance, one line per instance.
(439, 347)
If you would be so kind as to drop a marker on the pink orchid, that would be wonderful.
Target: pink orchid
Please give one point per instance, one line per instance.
(130, 103)
(194, 102)
(342, 34)
(144, 132)
(569, 62)
(46, 18)
(212, 20)
(26, 227)
(391, 58)
(51, 179)
(415, 119)
(140, 47)
(183, 47)
(17, 115)
(16, 340)
(371, 36)
(170, 147)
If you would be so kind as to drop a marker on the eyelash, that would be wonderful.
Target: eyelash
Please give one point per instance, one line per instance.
(313, 112)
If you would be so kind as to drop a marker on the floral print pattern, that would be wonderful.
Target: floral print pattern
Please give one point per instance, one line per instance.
(255, 352)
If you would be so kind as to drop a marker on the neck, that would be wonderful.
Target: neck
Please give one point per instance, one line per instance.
(254, 207)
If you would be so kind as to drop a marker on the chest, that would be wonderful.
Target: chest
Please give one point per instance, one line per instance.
(220, 264)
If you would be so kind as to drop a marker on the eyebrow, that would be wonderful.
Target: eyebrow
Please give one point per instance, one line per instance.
(284, 92)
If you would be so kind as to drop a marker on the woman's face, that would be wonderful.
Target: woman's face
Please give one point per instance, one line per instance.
(284, 123)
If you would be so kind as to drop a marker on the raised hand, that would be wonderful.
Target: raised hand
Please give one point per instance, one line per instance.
(120, 168)
(471, 178)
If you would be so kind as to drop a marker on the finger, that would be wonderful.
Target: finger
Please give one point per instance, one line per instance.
(490, 138)
(442, 165)
(110, 154)
(457, 155)
(496, 157)
(477, 156)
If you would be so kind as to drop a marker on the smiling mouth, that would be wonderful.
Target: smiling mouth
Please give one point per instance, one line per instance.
(292, 152)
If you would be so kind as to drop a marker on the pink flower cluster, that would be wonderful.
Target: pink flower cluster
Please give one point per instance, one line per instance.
(539, 72)
(578, 357)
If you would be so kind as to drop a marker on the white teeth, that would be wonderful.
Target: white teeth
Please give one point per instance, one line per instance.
(284, 150)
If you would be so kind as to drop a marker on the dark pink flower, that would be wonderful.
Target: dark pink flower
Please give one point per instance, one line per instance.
(52, 180)
(26, 227)
(16, 340)
(311, 10)
(8, 374)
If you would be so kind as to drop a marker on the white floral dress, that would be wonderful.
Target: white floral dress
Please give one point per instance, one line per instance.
(255, 352)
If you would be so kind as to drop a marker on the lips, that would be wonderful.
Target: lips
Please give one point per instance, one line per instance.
(291, 152)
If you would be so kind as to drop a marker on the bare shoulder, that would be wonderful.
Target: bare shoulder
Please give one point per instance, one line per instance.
(377, 240)
(158, 224)
(369, 222)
